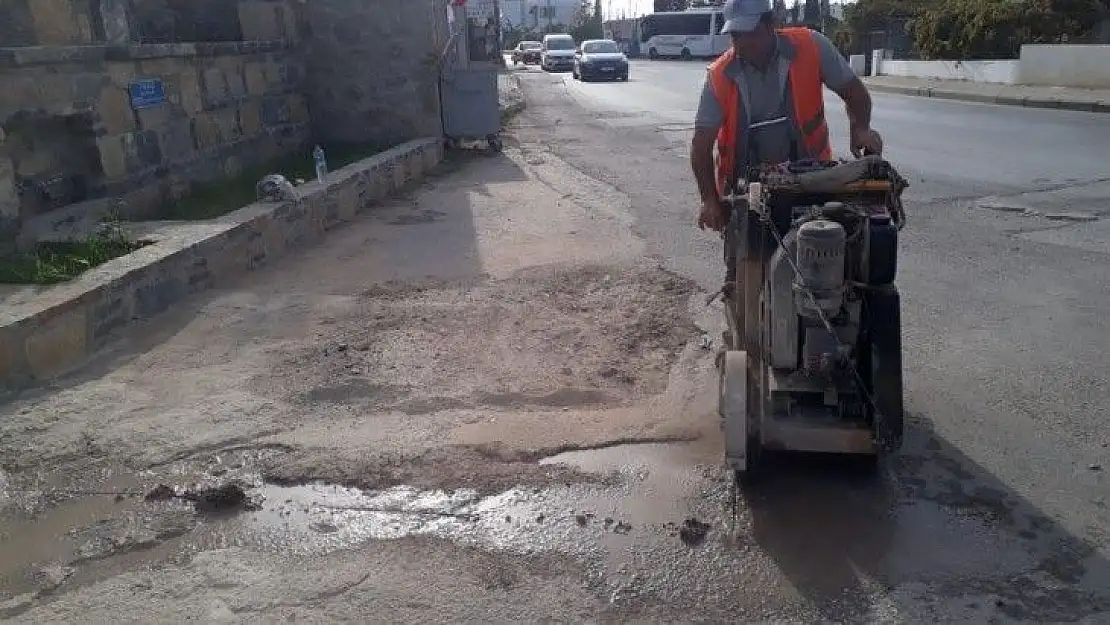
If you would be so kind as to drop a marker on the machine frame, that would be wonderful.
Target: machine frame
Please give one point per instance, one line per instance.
(753, 393)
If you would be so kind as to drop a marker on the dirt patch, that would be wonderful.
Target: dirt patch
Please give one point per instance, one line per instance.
(571, 337)
(482, 469)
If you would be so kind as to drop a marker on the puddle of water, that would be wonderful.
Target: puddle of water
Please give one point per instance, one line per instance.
(33, 541)
(71, 527)
(806, 534)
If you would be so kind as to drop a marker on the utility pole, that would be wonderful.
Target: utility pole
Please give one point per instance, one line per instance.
(497, 30)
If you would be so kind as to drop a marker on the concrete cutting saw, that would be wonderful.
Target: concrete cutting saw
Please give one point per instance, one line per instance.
(812, 358)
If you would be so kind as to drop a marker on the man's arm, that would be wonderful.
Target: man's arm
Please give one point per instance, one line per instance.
(838, 75)
(706, 124)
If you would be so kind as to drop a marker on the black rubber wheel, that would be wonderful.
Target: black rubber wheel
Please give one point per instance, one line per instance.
(653, 54)
(686, 56)
(884, 337)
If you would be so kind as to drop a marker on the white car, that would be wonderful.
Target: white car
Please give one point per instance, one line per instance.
(557, 53)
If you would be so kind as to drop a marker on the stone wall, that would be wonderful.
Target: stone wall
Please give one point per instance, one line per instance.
(74, 144)
(79, 22)
(72, 137)
(73, 133)
(372, 68)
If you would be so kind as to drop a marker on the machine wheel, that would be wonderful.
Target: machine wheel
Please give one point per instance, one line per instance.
(885, 337)
(734, 405)
(653, 54)
(686, 56)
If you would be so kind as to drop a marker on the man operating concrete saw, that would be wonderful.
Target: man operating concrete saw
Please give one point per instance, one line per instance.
(763, 103)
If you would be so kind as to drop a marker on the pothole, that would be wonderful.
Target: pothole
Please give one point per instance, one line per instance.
(658, 494)
(576, 336)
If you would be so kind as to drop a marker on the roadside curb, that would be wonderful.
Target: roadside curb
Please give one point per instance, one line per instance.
(986, 98)
(56, 330)
(512, 101)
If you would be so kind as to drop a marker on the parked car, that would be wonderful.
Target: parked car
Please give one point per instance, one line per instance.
(558, 52)
(600, 58)
(527, 52)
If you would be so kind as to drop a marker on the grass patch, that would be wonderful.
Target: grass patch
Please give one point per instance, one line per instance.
(54, 262)
(214, 199)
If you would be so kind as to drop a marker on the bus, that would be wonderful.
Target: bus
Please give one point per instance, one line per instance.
(685, 34)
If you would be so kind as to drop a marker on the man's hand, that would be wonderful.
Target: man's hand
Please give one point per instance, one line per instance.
(865, 140)
(712, 215)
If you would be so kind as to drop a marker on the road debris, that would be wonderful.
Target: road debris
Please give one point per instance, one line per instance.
(229, 497)
(693, 532)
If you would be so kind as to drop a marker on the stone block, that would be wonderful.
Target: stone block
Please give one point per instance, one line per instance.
(227, 119)
(113, 160)
(19, 92)
(114, 108)
(121, 74)
(259, 21)
(206, 132)
(159, 294)
(189, 86)
(215, 87)
(176, 140)
(142, 150)
(57, 344)
(250, 117)
(288, 17)
(11, 356)
(117, 28)
(58, 24)
(347, 199)
(165, 66)
(232, 69)
(155, 117)
(9, 198)
(275, 110)
(255, 78)
(298, 109)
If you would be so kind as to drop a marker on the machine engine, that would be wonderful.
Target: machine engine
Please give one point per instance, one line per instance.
(813, 298)
(819, 290)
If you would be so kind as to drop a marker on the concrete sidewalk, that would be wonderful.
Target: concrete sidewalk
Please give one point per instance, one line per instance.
(1066, 98)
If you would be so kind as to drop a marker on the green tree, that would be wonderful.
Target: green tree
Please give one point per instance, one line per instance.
(996, 29)
(588, 23)
(866, 16)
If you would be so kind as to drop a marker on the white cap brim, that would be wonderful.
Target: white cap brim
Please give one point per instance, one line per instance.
(744, 24)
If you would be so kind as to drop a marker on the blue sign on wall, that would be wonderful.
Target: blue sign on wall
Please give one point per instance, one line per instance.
(147, 93)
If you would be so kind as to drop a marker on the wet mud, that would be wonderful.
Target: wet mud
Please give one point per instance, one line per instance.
(821, 537)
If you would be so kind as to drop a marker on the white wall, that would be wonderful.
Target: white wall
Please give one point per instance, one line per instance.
(1065, 66)
(1039, 64)
(1004, 72)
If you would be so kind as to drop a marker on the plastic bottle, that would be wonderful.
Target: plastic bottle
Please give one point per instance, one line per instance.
(321, 165)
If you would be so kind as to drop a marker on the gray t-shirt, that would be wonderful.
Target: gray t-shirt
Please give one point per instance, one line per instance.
(765, 101)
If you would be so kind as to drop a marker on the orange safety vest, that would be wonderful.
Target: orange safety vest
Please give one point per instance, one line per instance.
(806, 89)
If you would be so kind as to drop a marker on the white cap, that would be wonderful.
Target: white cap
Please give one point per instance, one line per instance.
(742, 16)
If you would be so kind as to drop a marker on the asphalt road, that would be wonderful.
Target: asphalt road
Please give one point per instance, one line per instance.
(1004, 282)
